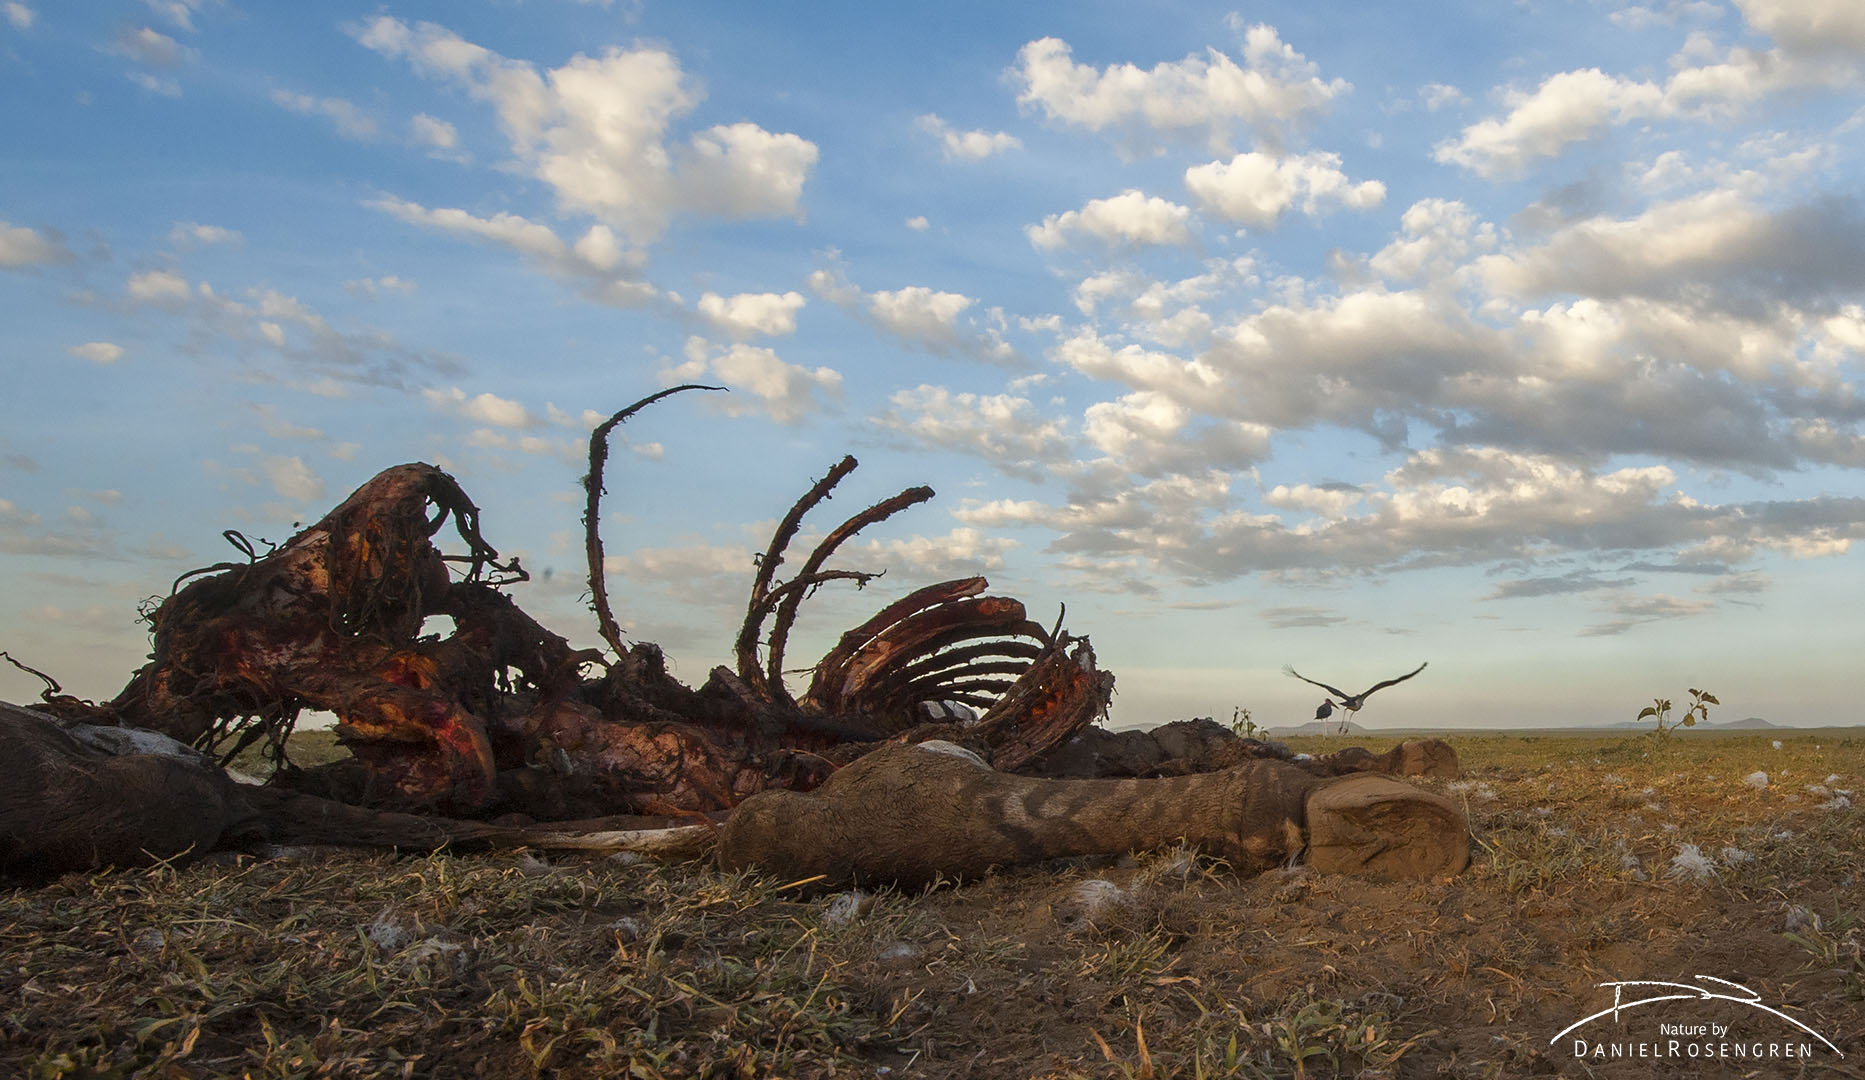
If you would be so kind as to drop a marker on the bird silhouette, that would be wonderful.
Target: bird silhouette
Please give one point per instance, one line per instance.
(1350, 703)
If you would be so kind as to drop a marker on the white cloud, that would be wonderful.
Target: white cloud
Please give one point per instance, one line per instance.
(1003, 429)
(785, 392)
(964, 550)
(1640, 17)
(1163, 312)
(430, 131)
(518, 233)
(920, 314)
(968, 145)
(750, 314)
(97, 352)
(1576, 105)
(918, 223)
(1188, 381)
(152, 47)
(743, 171)
(682, 563)
(596, 129)
(1439, 95)
(1809, 26)
(193, 233)
(292, 479)
(1565, 108)
(1149, 434)
(1436, 237)
(1204, 97)
(1328, 501)
(18, 14)
(924, 317)
(155, 84)
(350, 121)
(158, 287)
(1132, 219)
(1719, 244)
(609, 271)
(1455, 506)
(21, 246)
(179, 12)
(371, 288)
(1256, 189)
(486, 408)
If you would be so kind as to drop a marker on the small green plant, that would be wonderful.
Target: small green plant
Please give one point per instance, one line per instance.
(1660, 710)
(1242, 725)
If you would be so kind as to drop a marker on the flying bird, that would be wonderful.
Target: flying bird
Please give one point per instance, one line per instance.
(1350, 703)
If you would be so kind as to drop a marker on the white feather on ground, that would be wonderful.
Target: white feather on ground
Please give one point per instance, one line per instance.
(1690, 862)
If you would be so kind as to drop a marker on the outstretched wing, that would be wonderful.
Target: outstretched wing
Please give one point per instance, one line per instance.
(1288, 670)
(1400, 679)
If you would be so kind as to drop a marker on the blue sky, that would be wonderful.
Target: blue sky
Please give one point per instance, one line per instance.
(1523, 339)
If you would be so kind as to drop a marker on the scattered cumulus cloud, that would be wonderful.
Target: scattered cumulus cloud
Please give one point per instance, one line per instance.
(1130, 219)
(927, 318)
(748, 315)
(967, 145)
(485, 408)
(608, 271)
(151, 47)
(178, 12)
(1441, 96)
(292, 479)
(1571, 106)
(156, 84)
(159, 287)
(759, 379)
(1808, 26)
(426, 130)
(350, 121)
(97, 352)
(597, 131)
(918, 223)
(195, 234)
(961, 552)
(373, 288)
(1256, 189)
(18, 14)
(919, 313)
(1006, 430)
(1197, 98)
(22, 247)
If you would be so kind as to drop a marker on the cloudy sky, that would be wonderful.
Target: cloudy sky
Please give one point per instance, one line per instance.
(1523, 339)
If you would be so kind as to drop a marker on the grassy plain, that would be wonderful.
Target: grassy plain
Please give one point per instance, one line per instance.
(344, 964)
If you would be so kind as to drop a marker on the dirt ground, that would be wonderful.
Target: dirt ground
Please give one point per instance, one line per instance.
(321, 963)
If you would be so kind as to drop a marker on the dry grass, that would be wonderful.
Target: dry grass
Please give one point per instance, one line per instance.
(341, 964)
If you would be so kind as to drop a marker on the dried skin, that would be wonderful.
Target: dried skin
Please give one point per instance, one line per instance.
(913, 815)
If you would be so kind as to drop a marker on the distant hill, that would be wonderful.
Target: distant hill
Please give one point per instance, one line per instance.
(1751, 722)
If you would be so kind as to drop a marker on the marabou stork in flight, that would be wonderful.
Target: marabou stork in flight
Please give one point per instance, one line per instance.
(1349, 703)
